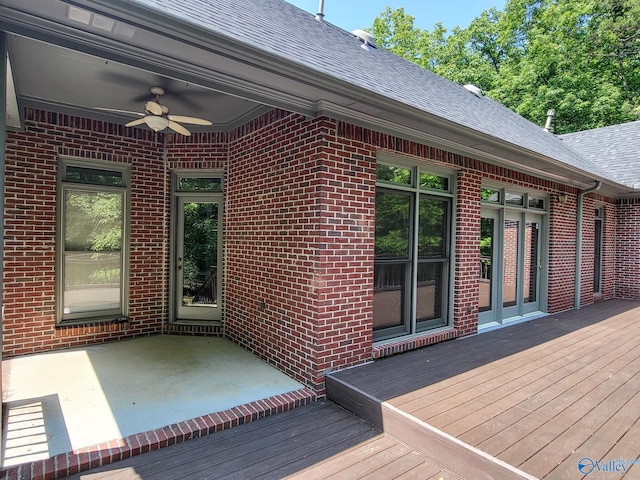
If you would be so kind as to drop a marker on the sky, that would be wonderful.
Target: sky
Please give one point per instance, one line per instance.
(352, 14)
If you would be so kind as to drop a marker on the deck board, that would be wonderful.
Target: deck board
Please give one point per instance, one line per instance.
(308, 442)
(540, 395)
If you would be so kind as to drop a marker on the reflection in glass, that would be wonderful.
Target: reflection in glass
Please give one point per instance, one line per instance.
(92, 251)
(200, 184)
(391, 174)
(200, 262)
(510, 265)
(432, 226)
(530, 262)
(392, 225)
(390, 281)
(486, 264)
(430, 284)
(514, 199)
(489, 195)
(434, 182)
(597, 255)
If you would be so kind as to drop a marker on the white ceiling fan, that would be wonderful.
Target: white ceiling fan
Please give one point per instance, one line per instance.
(157, 116)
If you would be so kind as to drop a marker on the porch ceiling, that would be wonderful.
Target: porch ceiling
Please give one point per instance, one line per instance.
(69, 81)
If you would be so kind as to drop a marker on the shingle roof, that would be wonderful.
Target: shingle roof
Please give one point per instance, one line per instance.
(614, 148)
(284, 30)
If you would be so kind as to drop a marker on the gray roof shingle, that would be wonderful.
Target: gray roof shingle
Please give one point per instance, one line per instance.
(615, 149)
(284, 30)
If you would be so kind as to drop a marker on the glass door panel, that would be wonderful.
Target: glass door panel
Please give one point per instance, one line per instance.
(197, 259)
(510, 267)
(487, 226)
(532, 264)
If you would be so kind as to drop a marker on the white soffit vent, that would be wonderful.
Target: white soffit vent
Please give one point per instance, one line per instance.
(365, 37)
(477, 91)
(100, 22)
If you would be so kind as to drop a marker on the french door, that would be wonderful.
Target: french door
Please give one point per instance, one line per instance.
(197, 292)
(511, 265)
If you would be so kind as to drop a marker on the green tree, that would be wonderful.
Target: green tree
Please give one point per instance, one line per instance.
(579, 57)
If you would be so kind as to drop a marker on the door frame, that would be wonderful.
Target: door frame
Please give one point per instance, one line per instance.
(500, 315)
(177, 199)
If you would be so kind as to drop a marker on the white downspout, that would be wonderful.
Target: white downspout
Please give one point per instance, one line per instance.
(580, 208)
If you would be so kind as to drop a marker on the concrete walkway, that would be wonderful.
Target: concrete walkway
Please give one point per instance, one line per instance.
(66, 400)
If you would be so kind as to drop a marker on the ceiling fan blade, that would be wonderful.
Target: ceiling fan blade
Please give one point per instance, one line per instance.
(115, 110)
(176, 127)
(133, 123)
(189, 120)
(153, 107)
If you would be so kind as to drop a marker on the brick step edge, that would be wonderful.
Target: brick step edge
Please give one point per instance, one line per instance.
(65, 464)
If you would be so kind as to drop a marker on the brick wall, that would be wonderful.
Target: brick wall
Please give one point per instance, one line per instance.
(627, 284)
(466, 290)
(299, 247)
(562, 254)
(299, 235)
(30, 229)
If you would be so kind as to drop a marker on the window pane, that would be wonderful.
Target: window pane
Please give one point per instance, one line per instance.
(93, 226)
(531, 262)
(434, 182)
(432, 227)
(514, 199)
(390, 283)
(510, 267)
(200, 263)
(536, 202)
(430, 284)
(187, 184)
(388, 173)
(486, 263)
(91, 281)
(489, 195)
(392, 224)
(93, 176)
(597, 256)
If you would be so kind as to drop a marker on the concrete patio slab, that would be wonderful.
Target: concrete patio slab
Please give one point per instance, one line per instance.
(66, 400)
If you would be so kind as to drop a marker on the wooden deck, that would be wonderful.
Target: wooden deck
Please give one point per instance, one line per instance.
(539, 396)
(317, 441)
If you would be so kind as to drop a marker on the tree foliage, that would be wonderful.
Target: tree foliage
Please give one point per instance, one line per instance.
(579, 57)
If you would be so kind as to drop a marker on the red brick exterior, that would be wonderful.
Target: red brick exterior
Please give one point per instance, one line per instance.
(30, 229)
(627, 249)
(298, 236)
(299, 251)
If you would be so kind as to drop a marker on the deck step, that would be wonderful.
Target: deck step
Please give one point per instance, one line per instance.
(87, 458)
(459, 457)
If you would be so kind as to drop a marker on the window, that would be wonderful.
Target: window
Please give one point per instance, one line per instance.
(597, 251)
(510, 198)
(92, 241)
(412, 248)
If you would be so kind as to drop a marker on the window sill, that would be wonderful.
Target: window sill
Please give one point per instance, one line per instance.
(386, 348)
(90, 322)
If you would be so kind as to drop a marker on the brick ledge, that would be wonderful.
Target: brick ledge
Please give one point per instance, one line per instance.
(412, 343)
(66, 464)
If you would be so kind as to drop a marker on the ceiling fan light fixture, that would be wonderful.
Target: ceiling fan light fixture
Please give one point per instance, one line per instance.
(156, 123)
